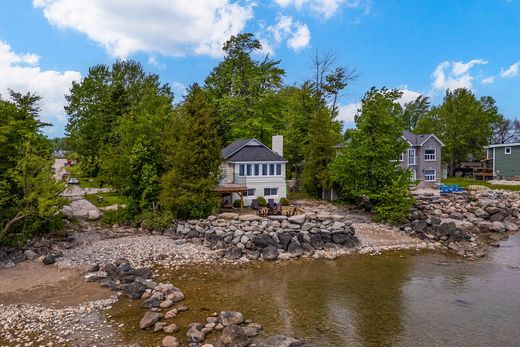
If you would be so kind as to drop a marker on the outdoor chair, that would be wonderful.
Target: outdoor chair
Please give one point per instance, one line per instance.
(254, 204)
(271, 204)
(278, 209)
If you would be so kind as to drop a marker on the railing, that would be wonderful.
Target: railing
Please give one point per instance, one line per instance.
(237, 180)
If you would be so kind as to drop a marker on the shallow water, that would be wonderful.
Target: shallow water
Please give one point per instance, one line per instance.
(396, 299)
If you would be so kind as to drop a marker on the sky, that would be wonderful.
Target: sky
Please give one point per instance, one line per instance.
(419, 47)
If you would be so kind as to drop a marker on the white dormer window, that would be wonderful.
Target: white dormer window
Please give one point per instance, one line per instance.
(411, 156)
(430, 154)
(507, 150)
(401, 157)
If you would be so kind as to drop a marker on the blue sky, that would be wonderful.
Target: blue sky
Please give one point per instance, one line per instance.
(421, 46)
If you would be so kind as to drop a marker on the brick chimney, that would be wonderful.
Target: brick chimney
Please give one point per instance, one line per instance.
(278, 144)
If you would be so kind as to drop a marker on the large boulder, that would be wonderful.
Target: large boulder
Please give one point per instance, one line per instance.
(297, 219)
(170, 341)
(149, 319)
(49, 259)
(317, 241)
(195, 335)
(30, 254)
(93, 214)
(497, 227)
(480, 213)
(228, 215)
(280, 341)
(233, 336)
(263, 240)
(230, 318)
(134, 290)
(340, 238)
(270, 253)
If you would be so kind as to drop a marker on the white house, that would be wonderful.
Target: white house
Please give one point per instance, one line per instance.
(252, 169)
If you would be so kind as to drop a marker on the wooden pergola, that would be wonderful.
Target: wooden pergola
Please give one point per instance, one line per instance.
(229, 189)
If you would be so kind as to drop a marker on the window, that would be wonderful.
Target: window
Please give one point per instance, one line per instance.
(241, 171)
(257, 169)
(414, 175)
(279, 169)
(271, 169)
(248, 166)
(264, 169)
(411, 156)
(507, 150)
(270, 191)
(429, 154)
(430, 175)
(250, 192)
(401, 157)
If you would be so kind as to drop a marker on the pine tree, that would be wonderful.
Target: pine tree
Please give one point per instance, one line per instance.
(192, 157)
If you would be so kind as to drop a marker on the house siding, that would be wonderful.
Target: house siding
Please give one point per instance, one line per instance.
(421, 164)
(507, 165)
(259, 183)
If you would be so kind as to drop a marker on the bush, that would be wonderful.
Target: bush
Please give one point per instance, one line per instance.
(284, 201)
(261, 201)
(393, 204)
(236, 203)
(156, 220)
(119, 216)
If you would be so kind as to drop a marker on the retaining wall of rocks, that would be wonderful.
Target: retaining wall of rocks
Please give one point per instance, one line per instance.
(459, 220)
(301, 234)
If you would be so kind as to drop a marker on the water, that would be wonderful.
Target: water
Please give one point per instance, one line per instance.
(398, 299)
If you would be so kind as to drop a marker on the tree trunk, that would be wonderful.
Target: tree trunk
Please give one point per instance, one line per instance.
(18, 217)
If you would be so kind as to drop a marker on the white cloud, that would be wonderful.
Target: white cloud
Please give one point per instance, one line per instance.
(21, 73)
(325, 8)
(453, 75)
(167, 27)
(408, 96)
(488, 80)
(297, 34)
(511, 71)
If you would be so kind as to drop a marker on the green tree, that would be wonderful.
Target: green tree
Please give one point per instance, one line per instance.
(192, 159)
(246, 91)
(463, 123)
(413, 111)
(367, 167)
(29, 199)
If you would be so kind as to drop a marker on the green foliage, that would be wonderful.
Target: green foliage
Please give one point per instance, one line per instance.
(236, 203)
(29, 200)
(413, 111)
(159, 220)
(367, 167)
(192, 160)
(284, 201)
(245, 91)
(108, 199)
(261, 201)
(119, 216)
(462, 123)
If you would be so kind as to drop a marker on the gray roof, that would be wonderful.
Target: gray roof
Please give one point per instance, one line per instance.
(415, 139)
(239, 151)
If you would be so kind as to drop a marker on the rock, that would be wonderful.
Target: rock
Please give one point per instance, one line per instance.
(166, 304)
(95, 276)
(212, 319)
(181, 308)
(170, 341)
(49, 259)
(317, 241)
(93, 214)
(249, 218)
(151, 302)
(158, 326)
(219, 326)
(277, 218)
(250, 331)
(228, 216)
(143, 272)
(280, 341)
(340, 238)
(170, 329)
(297, 219)
(338, 226)
(197, 326)
(195, 335)
(498, 227)
(270, 253)
(149, 319)
(497, 217)
(233, 336)
(170, 314)
(176, 295)
(134, 290)
(30, 255)
(234, 253)
(263, 240)
(480, 213)
(230, 318)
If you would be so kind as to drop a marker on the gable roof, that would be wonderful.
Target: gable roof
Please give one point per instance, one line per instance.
(418, 139)
(503, 145)
(250, 150)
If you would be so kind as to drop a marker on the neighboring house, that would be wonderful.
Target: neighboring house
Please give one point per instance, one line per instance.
(505, 159)
(423, 158)
(252, 169)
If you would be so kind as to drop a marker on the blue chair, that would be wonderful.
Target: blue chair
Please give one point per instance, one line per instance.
(449, 188)
(441, 188)
(456, 188)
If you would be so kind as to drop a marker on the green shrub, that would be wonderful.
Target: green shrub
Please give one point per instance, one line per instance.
(156, 220)
(236, 203)
(119, 216)
(284, 201)
(261, 201)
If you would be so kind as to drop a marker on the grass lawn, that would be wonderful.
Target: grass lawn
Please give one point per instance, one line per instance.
(465, 182)
(299, 196)
(109, 198)
(92, 182)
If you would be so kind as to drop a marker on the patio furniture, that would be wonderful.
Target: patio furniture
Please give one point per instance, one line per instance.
(254, 204)
(263, 211)
(271, 204)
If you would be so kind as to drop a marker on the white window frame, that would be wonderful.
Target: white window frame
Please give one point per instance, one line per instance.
(270, 191)
(414, 175)
(248, 190)
(401, 157)
(426, 175)
(430, 157)
(507, 150)
(410, 157)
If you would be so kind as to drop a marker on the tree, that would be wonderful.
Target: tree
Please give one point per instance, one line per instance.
(413, 111)
(29, 199)
(192, 159)
(245, 91)
(462, 123)
(505, 130)
(97, 103)
(367, 167)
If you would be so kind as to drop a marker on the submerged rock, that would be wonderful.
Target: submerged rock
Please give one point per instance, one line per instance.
(149, 319)
(233, 336)
(170, 341)
(280, 341)
(230, 318)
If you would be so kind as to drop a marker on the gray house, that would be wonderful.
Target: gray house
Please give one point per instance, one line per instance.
(423, 158)
(505, 159)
